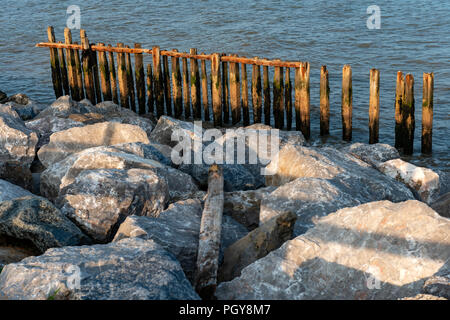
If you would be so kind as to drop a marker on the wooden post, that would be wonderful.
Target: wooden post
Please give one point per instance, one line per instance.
(122, 75)
(347, 103)
(324, 102)
(71, 65)
(245, 111)
(63, 69)
(195, 86)
(95, 72)
(87, 70)
(266, 90)
(408, 115)
(177, 89)
(278, 101)
(210, 234)
(302, 98)
(167, 89)
(55, 65)
(225, 92)
(399, 110)
(157, 81)
(374, 105)
(288, 98)
(130, 81)
(256, 93)
(216, 90)
(79, 73)
(204, 90)
(150, 98)
(112, 76)
(186, 99)
(427, 113)
(140, 79)
(104, 74)
(235, 93)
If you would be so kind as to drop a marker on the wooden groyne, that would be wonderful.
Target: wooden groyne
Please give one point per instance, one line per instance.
(184, 89)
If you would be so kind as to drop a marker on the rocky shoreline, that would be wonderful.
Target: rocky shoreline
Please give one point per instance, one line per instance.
(92, 207)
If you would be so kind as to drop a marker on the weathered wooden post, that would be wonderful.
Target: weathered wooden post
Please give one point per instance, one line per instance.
(245, 111)
(130, 81)
(71, 65)
(87, 70)
(210, 234)
(140, 79)
(104, 74)
(302, 98)
(427, 113)
(55, 65)
(95, 72)
(167, 87)
(216, 86)
(122, 75)
(324, 102)
(225, 92)
(79, 73)
(347, 103)
(157, 81)
(374, 105)
(177, 89)
(186, 96)
(288, 98)
(150, 98)
(235, 92)
(277, 97)
(399, 91)
(63, 69)
(266, 91)
(408, 115)
(195, 86)
(256, 93)
(112, 76)
(204, 90)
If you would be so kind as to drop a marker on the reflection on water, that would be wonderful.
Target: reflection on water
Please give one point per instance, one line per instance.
(413, 38)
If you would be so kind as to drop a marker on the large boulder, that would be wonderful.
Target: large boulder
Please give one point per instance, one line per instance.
(256, 245)
(123, 157)
(326, 180)
(17, 150)
(36, 219)
(9, 191)
(65, 143)
(177, 229)
(244, 206)
(63, 107)
(3, 96)
(378, 250)
(424, 181)
(99, 200)
(131, 269)
(373, 154)
(439, 283)
(166, 126)
(46, 126)
(442, 205)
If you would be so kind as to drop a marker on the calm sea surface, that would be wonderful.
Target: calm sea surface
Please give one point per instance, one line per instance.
(414, 37)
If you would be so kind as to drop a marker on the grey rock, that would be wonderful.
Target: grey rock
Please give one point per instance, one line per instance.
(67, 142)
(256, 245)
(36, 219)
(244, 206)
(3, 96)
(63, 107)
(442, 205)
(9, 191)
(378, 250)
(165, 127)
(177, 230)
(439, 284)
(373, 154)
(131, 269)
(99, 200)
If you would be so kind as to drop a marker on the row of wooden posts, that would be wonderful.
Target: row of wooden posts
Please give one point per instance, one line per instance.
(96, 79)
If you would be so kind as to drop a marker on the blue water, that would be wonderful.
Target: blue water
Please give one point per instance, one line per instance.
(414, 38)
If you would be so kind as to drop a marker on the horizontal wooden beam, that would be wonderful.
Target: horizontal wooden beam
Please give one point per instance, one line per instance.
(175, 54)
